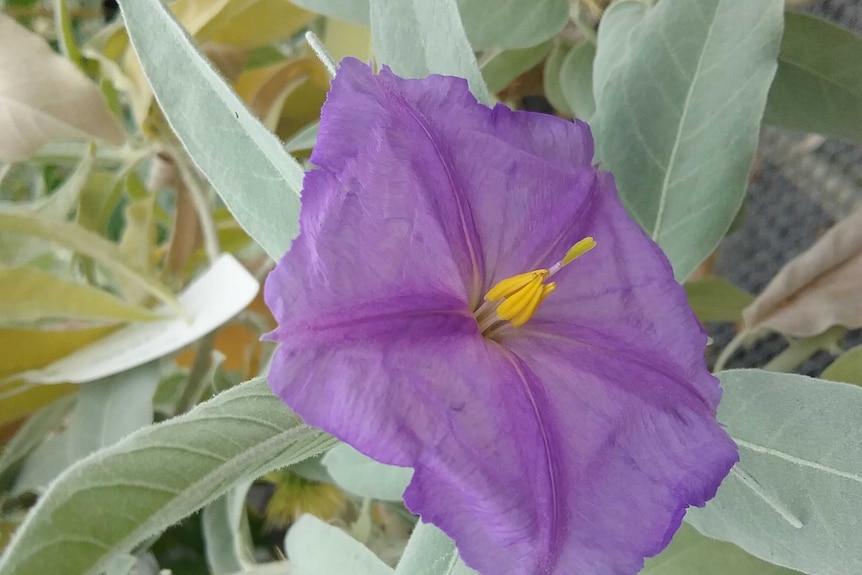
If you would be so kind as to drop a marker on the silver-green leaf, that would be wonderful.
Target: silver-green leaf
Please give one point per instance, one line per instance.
(246, 164)
(678, 118)
(420, 37)
(690, 553)
(795, 498)
(116, 498)
(818, 86)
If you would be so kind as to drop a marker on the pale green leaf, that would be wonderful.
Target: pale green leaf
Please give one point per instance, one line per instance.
(363, 476)
(508, 24)
(430, 552)
(227, 539)
(551, 78)
(420, 37)
(795, 499)
(818, 86)
(31, 295)
(76, 238)
(111, 501)
(106, 411)
(316, 548)
(715, 299)
(33, 432)
(615, 33)
(576, 80)
(502, 24)
(111, 408)
(246, 164)
(500, 70)
(847, 368)
(690, 553)
(678, 119)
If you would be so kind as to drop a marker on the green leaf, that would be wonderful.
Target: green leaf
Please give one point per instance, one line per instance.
(690, 553)
(316, 548)
(500, 70)
(615, 33)
(678, 119)
(716, 299)
(76, 238)
(551, 78)
(508, 24)
(796, 497)
(818, 86)
(111, 501)
(847, 368)
(430, 552)
(363, 476)
(65, 34)
(33, 432)
(226, 533)
(576, 80)
(245, 163)
(420, 37)
(31, 295)
(106, 411)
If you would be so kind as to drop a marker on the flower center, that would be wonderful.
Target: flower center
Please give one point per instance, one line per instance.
(515, 299)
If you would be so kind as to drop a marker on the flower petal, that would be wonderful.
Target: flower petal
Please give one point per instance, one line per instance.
(363, 251)
(505, 186)
(622, 296)
(629, 448)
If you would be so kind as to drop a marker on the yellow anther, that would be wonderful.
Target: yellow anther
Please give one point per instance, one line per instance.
(532, 305)
(522, 299)
(578, 250)
(546, 291)
(510, 286)
(517, 298)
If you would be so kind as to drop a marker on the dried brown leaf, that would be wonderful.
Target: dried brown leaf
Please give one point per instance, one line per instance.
(45, 98)
(818, 289)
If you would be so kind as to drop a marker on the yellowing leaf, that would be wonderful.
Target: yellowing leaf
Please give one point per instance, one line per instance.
(847, 368)
(76, 238)
(343, 39)
(818, 289)
(45, 98)
(26, 349)
(29, 295)
(715, 299)
(20, 399)
(258, 23)
(265, 89)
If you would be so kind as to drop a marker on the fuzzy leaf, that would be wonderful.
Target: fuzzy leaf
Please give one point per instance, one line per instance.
(245, 163)
(118, 497)
(420, 37)
(678, 118)
(818, 87)
(795, 498)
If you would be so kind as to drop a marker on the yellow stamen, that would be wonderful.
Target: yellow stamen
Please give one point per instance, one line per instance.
(532, 305)
(510, 286)
(578, 250)
(516, 299)
(547, 289)
(520, 300)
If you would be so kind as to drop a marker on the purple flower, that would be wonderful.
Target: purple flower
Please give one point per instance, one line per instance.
(551, 433)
